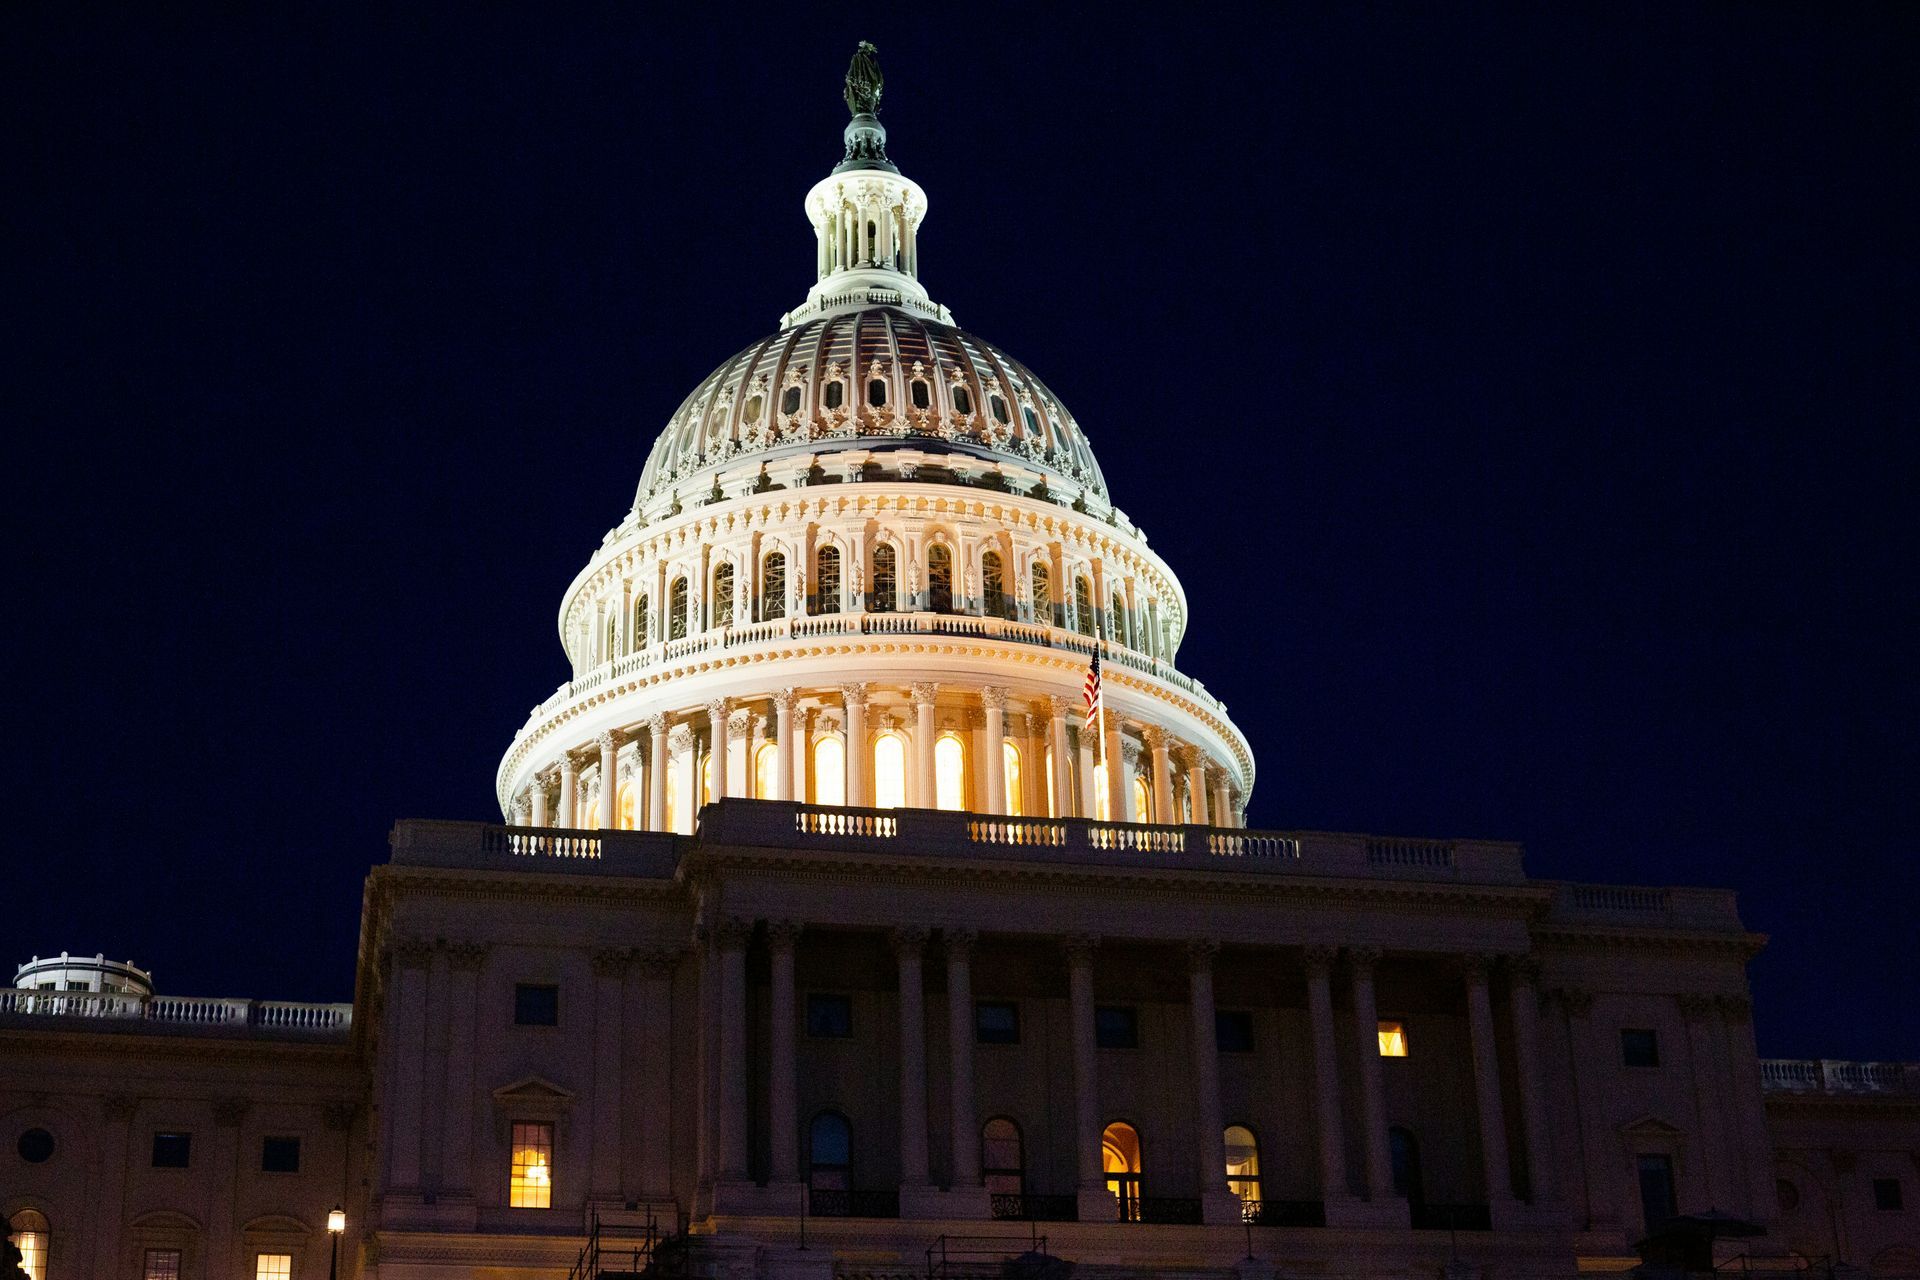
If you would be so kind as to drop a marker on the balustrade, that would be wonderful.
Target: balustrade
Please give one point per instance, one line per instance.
(200, 1012)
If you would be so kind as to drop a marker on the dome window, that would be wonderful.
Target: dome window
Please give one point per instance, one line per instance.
(940, 578)
(993, 586)
(876, 392)
(1083, 606)
(826, 580)
(1042, 581)
(886, 579)
(723, 596)
(998, 407)
(1032, 419)
(677, 610)
(790, 400)
(642, 631)
(922, 395)
(755, 403)
(962, 400)
(773, 587)
(836, 394)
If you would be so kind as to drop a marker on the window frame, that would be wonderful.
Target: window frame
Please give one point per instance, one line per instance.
(1101, 1037)
(1633, 1047)
(1402, 1036)
(980, 1032)
(185, 1140)
(278, 1273)
(523, 998)
(529, 1185)
(1221, 1019)
(266, 1144)
(148, 1256)
(822, 1000)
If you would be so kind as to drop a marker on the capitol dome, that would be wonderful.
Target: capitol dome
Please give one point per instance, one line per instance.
(869, 564)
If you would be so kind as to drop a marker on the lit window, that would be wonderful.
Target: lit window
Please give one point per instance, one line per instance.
(1393, 1039)
(829, 1016)
(706, 780)
(1639, 1047)
(889, 771)
(1042, 579)
(826, 580)
(536, 1004)
(1102, 811)
(1083, 606)
(829, 772)
(272, 1266)
(625, 805)
(962, 400)
(1120, 1160)
(996, 1022)
(765, 757)
(162, 1264)
(1015, 801)
(790, 400)
(280, 1155)
(886, 577)
(641, 629)
(1142, 801)
(723, 596)
(1001, 1159)
(940, 578)
(531, 1185)
(30, 1233)
(1052, 795)
(949, 773)
(1243, 1163)
(773, 587)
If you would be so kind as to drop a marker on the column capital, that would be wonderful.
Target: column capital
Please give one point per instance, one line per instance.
(1474, 967)
(924, 692)
(783, 934)
(1523, 971)
(680, 739)
(1059, 706)
(993, 698)
(1190, 757)
(958, 943)
(1577, 1001)
(1697, 1008)
(520, 812)
(855, 693)
(1079, 948)
(740, 722)
(466, 957)
(732, 932)
(1129, 750)
(1201, 953)
(717, 711)
(610, 962)
(608, 741)
(1155, 737)
(1361, 960)
(657, 962)
(1319, 960)
(783, 700)
(907, 940)
(565, 764)
(657, 723)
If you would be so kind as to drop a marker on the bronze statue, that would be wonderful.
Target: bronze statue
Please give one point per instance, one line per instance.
(863, 81)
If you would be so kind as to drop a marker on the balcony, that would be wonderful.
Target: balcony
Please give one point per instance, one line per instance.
(1032, 1208)
(188, 1015)
(1823, 1076)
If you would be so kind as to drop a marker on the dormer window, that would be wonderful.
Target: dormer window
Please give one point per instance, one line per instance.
(962, 400)
(999, 409)
(1032, 420)
(790, 400)
(876, 391)
(755, 403)
(922, 396)
(836, 394)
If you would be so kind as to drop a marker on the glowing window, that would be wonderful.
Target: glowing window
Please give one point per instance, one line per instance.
(1120, 1159)
(161, 1264)
(889, 771)
(272, 1266)
(1142, 801)
(949, 773)
(836, 394)
(1243, 1164)
(641, 621)
(962, 400)
(626, 807)
(706, 780)
(922, 397)
(751, 413)
(531, 1184)
(723, 596)
(773, 586)
(876, 391)
(790, 400)
(30, 1233)
(826, 580)
(765, 758)
(886, 579)
(1010, 754)
(1001, 1159)
(1102, 810)
(829, 772)
(611, 640)
(677, 609)
(940, 578)
(993, 586)
(1393, 1039)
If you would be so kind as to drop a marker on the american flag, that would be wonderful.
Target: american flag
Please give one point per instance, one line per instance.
(1093, 688)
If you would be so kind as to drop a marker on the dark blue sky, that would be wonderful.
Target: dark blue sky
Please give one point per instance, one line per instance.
(1523, 395)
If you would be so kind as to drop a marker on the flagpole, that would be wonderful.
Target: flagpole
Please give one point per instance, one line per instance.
(1100, 714)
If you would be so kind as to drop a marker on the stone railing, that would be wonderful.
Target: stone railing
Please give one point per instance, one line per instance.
(480, 845)
(1641, 905)
(272, 1018)
(1848, 1079)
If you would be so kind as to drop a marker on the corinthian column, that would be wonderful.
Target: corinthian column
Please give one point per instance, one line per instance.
(732, 938)
(569, 791)
(783, 744)
(960, 1032)
(908, 946)
(1326, 1082)
(716, 751)
(995, 703)
(609, 778)
(1118, 802)
(782, 1104)
(859, 794)
(1523, 977)
(1373, 1096)
(1486, 1082)
(1216, 1203)
(1062, 766)
(925, 795)
(656, 817)
(1195, 761)
(1156, 740)
(1096, 1202)
(537, 799)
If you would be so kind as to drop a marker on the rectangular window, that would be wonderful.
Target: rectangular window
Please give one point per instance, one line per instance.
(1116, 1027)
(1886, 1194)
(272, 1266)
(172, 1150)
(531, 1185)
(996, 1021)
(162, 1264)
(1393, 1039)
(280, 1155)
(1656, 1189)
(829, 1016)
(33, 1249)
(536, 1005)
(1639, 1047)
(1233, 1030)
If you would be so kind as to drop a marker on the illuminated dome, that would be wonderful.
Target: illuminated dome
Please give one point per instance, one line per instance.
(869, 563)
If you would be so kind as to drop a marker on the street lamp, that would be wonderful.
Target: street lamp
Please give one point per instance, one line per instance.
(336, 1224)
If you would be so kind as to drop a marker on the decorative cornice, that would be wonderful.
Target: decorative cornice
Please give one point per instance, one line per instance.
(610, 962)
(466, 957)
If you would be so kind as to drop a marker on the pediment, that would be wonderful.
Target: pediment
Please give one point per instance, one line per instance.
(535, 1091)
(1650, 1126)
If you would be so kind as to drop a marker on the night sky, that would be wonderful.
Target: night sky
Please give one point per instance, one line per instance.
(1523, 395)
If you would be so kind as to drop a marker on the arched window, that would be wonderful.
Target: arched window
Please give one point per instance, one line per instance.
(836, 393)
(1042, 580)
(962, 400)
(1120, 1159)
(31, 1235)
(1016, 801)
(723, 596)
(826, 580)
(886, 579)
(829, 771)
(1102, 802)
(677, 609)
(999, 410)
(755, 403)
(921, 393)
(790, 400)
(1083, 606)
(889, 771)
(829, 1153)
(706, 781)
(940, 578)
(1003, 1163)
(1407, 1180)
(993, 586)
(1117, 620)
(642, 623)
(611, 638)
(626, 806)
(949, 772)
(876, 391)
(1142, 801)
(1243, 1163)
(773, 586)
(765, 757)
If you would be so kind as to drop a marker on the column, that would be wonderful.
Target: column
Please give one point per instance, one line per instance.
(537, 799)
(1216, 1203)
(569, 791)
(116, 1140)
(683, 743)
(908, 946)
(1062, 766)
(609, 979)
(409, 1033)
(993, 749)
(1222, 804)
(1743, 1076)
(732, 1120)
(1326, 1077)
(1117, 780)
(1096, 1200)
(783, 743)
(1486, 1082)
(1163, 808)
(518, 816)
(740, 747)
(859, 756)
(1717, 1143)
(1196, 764)
(716, 752)
(1087, 807)
(802, 750)
(1373, 1096)
(655, 1091)
(1523, 974)
(966, 1125)
(464, 962)
(923, 793)
(1597, 1167)
(656, 816)
(609, 745)
(783, 1111)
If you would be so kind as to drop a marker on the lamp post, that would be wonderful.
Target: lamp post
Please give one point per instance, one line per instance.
(336, 1224)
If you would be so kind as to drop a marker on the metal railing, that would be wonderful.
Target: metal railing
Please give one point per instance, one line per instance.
(953, 1255)
(1031, 1208)
(1451, 1217)
(1286, 1213)
(1181, 1210)
(884, 1203)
